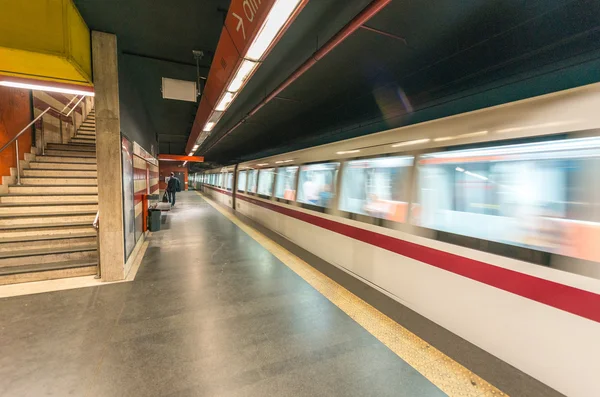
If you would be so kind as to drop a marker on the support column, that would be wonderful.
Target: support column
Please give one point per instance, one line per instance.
(108, 155)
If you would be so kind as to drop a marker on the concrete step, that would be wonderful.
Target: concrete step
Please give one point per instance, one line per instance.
(71, 147)
(47, 271)
(46, 230)
(24, 220)
(65, 159)
(83, 140)
(47, 242)
(85, 134)
(70, 181)
(48, 198)
(45, 208)
(35, 165)
(55, 189)
(49, 255)
(87, 128)
(79, 153)
(64, 173)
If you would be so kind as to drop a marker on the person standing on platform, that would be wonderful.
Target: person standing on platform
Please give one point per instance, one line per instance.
(172, 186)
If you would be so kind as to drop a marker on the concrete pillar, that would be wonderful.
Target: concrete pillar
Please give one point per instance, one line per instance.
(108, 154)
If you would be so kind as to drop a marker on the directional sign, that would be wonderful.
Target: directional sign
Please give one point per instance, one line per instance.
(243, 20)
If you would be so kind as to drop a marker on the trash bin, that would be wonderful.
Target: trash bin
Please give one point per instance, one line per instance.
(154, 219)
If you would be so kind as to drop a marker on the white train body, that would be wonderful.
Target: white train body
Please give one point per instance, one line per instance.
(542, 319)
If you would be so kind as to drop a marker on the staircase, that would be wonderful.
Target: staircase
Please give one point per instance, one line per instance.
(46, 227)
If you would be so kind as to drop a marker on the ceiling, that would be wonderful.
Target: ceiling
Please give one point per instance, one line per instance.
(156, 39)
(436, 59)
(446, 57)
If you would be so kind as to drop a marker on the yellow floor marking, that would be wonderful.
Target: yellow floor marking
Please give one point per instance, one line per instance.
(448, 375)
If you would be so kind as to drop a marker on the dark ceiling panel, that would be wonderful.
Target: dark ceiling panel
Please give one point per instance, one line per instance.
(156, 39)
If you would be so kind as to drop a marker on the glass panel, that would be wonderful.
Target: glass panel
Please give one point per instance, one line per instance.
(220, 182)
(128, 197)
(241, 184)
(285, 187)
(229, 180)
(316, 184)
(265, 181)
(541, 195)
(377, 187)
(252, 181)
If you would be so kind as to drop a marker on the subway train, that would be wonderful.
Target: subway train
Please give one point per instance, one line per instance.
(487, 223)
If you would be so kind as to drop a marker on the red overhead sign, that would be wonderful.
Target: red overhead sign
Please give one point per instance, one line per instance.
(243, 20)
(242, 24)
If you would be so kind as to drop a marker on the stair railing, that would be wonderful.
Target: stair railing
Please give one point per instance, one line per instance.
(15, 139)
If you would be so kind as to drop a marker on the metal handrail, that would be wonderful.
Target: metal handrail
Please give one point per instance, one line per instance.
(15, 139)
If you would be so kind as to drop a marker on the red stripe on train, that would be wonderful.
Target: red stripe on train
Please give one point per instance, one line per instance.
(564, 297)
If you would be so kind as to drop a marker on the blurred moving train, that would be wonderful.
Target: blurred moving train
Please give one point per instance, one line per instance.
(487, 223)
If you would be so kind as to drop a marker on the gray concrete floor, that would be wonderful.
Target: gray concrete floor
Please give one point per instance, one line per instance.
(210, 313)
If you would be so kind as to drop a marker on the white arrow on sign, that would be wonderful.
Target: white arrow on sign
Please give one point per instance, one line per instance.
(240, 25)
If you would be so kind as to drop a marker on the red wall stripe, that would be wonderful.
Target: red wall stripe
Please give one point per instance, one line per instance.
(560, 296)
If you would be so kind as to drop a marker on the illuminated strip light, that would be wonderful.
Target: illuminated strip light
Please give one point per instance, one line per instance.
(185, 162)
(349, 151)
(459, 169)
(241, 76)
(565, 144)
(469, 135)
(476, 175)
(45, 88)
(212, 121)
(536, 126)
(225, 101)
(278, 16)
(262, 165)
(283, 161)
(410, 143)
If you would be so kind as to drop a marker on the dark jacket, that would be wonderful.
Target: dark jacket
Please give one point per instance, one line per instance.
(173, 184)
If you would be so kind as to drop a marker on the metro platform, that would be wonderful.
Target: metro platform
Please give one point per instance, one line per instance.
(220, 308)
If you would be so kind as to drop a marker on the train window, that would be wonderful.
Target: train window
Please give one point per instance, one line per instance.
(316, 184)
(541, 196)
(265, 181)
(241, 183)
(285, 186)
(229, 181)
(252, 178)
(377, 187)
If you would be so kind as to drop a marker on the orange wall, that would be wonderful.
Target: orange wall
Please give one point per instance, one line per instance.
(166, 167)
(15, 113)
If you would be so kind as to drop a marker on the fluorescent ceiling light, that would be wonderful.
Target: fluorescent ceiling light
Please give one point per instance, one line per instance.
(209, 126)
(277, 18)
(460, 169)
(225, 101)
(263, 164)
(283, 161)
(349, 151)
(242, 74)
(185, 162)
(45, 88)
(409, 143)
(195, 147)
(191, 154)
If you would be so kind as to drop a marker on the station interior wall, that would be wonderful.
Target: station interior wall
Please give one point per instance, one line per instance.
(15, 113)
(135, 120)
(166, 167)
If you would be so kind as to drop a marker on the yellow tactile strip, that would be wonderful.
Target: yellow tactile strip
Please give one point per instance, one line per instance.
(448, 375)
